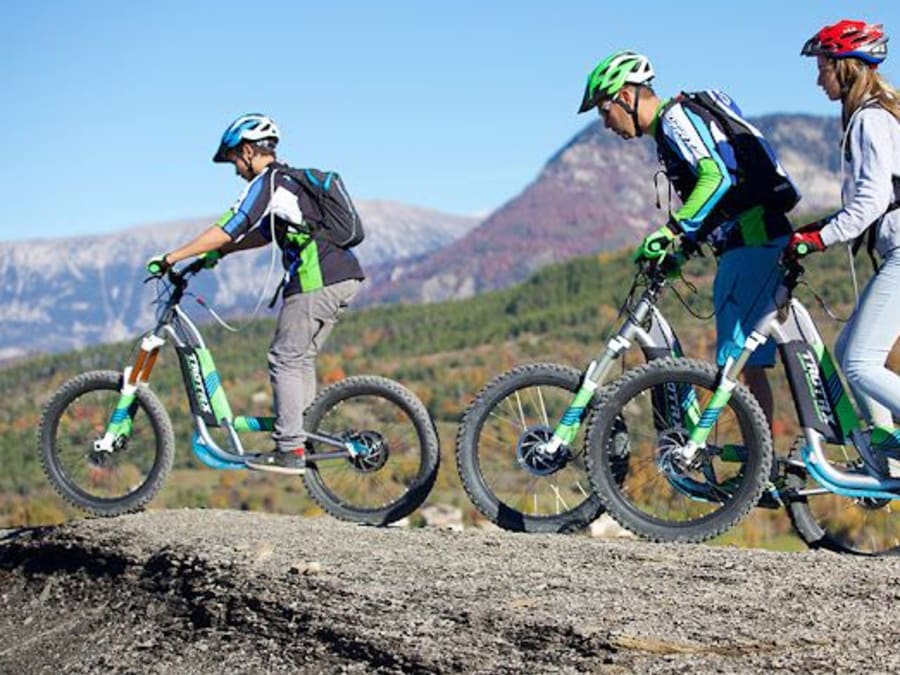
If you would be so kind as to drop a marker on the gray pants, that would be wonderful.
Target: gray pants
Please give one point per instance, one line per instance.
(304, 323)
(865, 342)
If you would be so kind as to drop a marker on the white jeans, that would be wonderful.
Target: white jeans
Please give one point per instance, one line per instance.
(865, 342)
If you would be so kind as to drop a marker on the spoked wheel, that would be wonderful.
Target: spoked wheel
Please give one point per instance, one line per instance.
(104, 482)
(501, 458)
(395, 451)
(860, 525)
(658, 495)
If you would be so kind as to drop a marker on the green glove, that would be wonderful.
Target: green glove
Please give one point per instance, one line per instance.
(210, 259)
(655, 244)
(157, 265)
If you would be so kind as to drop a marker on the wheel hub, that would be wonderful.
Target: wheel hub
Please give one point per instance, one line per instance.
(676, 469)
(97, 459)
(370, 451)
(668, 451)
(532, 455)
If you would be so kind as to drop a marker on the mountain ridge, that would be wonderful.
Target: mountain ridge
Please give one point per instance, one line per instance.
(69, 292)
(595, 193)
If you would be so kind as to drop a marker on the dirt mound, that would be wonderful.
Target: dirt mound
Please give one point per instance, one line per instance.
(199, 591)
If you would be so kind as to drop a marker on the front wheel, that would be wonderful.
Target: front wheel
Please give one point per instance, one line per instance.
(397, 450)
(659, 495)
(105, 482)
(499, 455)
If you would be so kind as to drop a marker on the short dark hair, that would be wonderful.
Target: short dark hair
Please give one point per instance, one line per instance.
(266, 146)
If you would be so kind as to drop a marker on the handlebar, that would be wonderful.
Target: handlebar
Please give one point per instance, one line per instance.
(793, 270)
(180, 276)
(179, 279)
(665, 267)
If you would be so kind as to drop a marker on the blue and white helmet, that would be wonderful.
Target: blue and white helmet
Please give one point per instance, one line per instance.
(252, 128)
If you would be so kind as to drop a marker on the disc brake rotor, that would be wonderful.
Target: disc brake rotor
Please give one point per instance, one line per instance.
(668, 443)
(673, 467)
(531, 454)
(371, 450)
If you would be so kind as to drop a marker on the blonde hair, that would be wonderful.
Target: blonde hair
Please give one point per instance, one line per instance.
(859, 83)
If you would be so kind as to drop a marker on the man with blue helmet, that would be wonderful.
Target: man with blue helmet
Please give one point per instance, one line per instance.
(320, 277)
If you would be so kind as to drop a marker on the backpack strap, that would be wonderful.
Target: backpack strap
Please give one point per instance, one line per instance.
(293, 269)
(666, 107)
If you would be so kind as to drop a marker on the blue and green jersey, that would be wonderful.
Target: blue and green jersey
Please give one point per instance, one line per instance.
(275, 203)
(700, 162)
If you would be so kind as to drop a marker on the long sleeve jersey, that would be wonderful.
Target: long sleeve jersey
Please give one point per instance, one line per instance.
(871, 168)
(700, 162)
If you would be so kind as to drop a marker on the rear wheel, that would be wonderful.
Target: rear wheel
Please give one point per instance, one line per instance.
(859, 525)
(104, 482)
(396, 451)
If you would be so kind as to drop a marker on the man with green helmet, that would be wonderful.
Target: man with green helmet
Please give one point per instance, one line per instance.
(722, 203)
(610, 77)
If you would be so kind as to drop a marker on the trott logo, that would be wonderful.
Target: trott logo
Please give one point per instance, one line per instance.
(197, 380)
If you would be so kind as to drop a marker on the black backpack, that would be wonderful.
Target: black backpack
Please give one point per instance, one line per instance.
(334, 216)
(770, 185)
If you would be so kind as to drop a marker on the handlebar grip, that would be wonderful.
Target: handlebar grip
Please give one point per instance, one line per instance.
(178, 275)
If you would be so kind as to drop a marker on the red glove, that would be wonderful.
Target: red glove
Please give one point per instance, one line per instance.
(806, 240)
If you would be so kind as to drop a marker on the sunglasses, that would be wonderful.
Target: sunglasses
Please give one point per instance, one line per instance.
(607, 105)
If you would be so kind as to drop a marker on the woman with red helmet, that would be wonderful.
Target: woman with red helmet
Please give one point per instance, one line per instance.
(848, 55)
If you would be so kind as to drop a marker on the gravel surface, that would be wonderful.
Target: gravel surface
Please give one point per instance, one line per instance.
(204, 591)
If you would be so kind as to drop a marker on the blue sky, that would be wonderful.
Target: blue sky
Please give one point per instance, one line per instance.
(112, 110)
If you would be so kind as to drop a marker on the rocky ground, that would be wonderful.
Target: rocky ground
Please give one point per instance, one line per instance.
(202, 591)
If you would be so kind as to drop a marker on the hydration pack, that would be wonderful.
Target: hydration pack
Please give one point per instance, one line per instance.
(334, 217)
(760, 177)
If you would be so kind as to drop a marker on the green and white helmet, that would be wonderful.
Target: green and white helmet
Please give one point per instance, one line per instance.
(614, 72)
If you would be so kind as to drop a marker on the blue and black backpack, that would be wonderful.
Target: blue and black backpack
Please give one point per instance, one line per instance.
(333, 217)
(760, 179)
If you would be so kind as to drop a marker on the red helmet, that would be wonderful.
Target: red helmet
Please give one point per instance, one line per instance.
(849, 39)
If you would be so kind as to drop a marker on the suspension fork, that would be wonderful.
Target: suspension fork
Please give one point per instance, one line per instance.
(122, 418)
(567, 428)
(728, 380)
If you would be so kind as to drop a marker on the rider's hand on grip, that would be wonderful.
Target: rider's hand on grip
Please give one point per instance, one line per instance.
(655, 244)
(157, 266)
(804, 241)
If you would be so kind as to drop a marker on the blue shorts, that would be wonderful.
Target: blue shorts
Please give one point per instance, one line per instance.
(744, 285)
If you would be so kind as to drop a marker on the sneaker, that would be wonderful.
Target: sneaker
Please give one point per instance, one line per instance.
(872, 448)
(292, 462)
